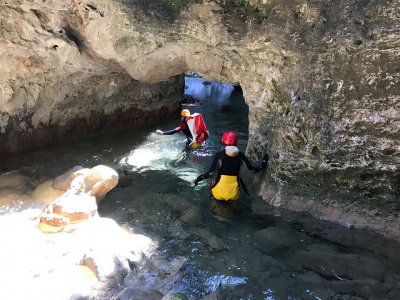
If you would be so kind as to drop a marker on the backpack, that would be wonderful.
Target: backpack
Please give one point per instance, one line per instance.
(197, 128)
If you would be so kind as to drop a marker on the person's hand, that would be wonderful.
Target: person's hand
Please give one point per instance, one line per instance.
(265, 159)
(198, 179)
(159, 131)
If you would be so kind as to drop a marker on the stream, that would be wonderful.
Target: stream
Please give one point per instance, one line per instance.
(238, 253)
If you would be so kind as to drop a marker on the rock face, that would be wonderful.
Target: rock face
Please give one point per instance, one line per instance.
(321, 79)
(54, 86)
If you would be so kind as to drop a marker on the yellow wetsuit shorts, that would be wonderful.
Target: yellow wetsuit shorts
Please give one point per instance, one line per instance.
(226, 189)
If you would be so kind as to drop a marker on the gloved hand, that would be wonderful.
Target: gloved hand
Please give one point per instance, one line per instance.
(159, 131)
(198, 179)
(264, 160)
(263, 163)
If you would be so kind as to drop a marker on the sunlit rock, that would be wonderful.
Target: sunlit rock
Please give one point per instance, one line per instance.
(63, 182)
(100, 181)
(45, 193)
(156, 274)
(96, 181)
(62, 264)
(83, 188)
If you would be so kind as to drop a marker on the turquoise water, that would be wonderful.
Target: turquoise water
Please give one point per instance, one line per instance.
(231, 253)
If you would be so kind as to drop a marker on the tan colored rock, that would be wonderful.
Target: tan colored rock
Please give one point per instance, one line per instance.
(82, 187)
(100, 181)
(75, 208)
(13, 180)
(45, 193)
(96, 181)
(63, 182)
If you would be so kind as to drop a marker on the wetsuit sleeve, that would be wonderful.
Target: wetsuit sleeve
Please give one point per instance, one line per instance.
(263, 164)
(247, 162)
(181, 127)
(213, 166)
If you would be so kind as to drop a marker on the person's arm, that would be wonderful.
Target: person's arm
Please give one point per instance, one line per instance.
(172, 131)
(263, 164)
(212, 168)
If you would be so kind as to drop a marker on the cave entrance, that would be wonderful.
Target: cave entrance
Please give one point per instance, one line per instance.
(221, 104)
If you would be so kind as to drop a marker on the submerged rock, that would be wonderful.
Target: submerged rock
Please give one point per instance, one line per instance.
(340, 266)
(272, 239)
(157, 274)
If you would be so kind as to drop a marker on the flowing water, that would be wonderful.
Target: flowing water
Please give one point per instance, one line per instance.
(231, 253)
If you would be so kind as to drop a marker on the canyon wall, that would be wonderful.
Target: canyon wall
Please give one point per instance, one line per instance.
(321, 80)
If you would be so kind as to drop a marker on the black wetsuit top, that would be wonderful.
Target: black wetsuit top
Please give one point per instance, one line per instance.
(182, 127)
(228, 165)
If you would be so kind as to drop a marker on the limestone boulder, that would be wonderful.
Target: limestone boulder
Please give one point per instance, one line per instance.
(100, 181)
(63, 182)
(97, 181)
(81, 190)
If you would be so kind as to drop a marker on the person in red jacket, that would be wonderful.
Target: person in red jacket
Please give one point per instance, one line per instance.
(182, 127)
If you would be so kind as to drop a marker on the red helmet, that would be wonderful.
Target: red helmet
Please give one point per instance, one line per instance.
(229, 138)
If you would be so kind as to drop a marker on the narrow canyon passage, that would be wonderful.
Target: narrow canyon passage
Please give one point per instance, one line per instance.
(225, 254)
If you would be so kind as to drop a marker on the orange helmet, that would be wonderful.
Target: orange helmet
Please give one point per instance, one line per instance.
(185, 113)
(229, 138)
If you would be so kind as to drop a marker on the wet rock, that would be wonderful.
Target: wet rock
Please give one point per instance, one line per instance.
(321, 248)
(338, 265)
(175, 296)
(274, 239)
(105, 264)
(138, 294)
(14, 179)
(315, 285)
(13, 200)
(45, 193)
(367, 289)
(156, 274)
(192, 216)
(63, 182)
(265, 263)
(210, 239)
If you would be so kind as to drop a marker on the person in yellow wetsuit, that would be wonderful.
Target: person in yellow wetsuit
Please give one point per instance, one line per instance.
(227, 163)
